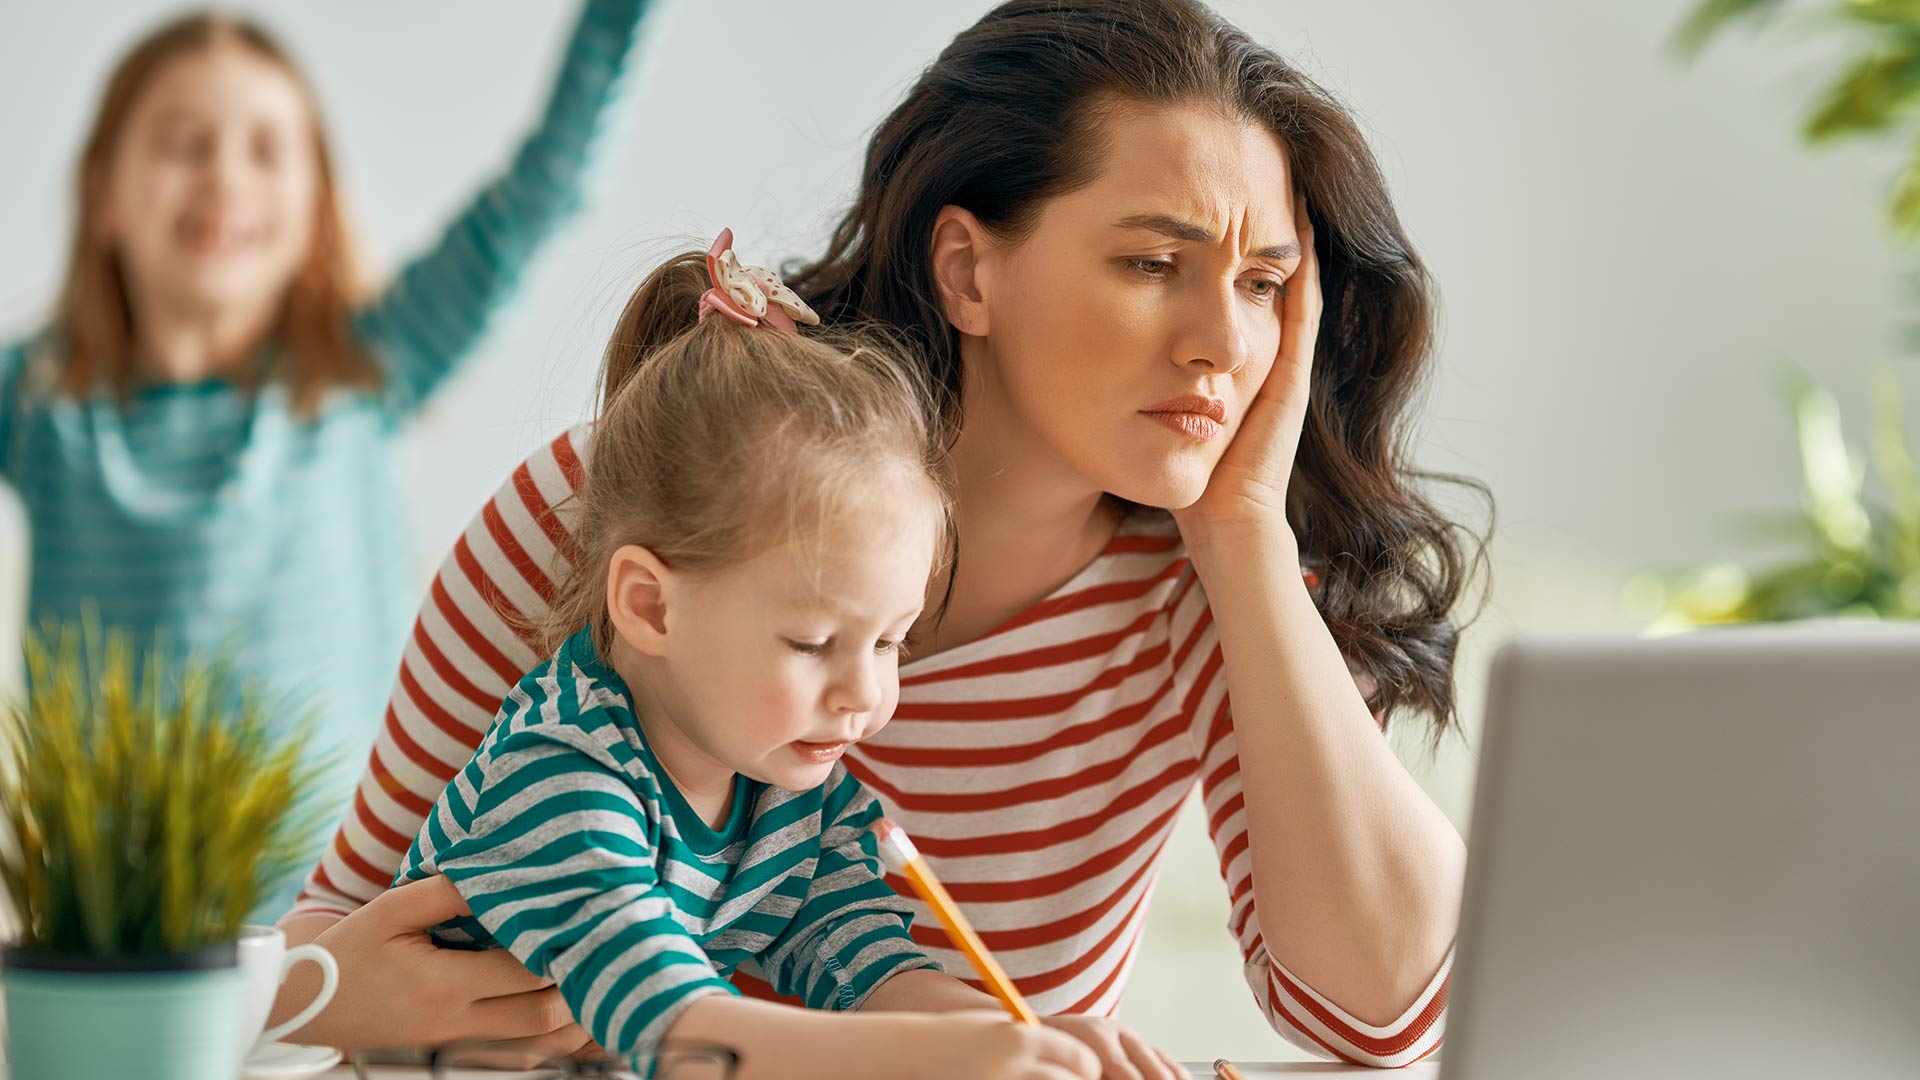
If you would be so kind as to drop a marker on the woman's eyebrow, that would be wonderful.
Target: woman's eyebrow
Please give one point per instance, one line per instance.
(1168, 225)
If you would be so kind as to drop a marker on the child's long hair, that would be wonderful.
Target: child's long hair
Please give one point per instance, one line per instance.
(716, 441)
(93, 322)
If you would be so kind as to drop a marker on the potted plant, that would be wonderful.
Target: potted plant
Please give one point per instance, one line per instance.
(143, 814)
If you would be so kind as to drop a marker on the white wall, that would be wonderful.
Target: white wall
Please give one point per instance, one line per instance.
(1628, 253)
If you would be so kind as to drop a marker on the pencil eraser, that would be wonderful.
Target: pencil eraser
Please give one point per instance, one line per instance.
(895, 849)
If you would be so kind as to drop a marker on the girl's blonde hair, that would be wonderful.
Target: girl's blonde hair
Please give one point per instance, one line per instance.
(716, 441)
(93, 321)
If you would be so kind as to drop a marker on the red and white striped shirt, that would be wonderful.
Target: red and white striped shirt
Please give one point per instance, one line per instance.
(1038, 768)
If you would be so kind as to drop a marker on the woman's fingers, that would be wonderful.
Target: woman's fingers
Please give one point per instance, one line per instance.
(570, 1041)
(520, 1016)
(1299, 313)
(416, 906)
(494, 973)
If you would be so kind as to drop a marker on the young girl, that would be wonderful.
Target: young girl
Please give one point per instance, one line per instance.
(201, 435)
(662, 800)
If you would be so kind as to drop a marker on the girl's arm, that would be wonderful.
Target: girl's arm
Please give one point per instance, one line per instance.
(437, 311)
(848, 938)
(1120, 1051)
(553, 851)
(780, 1042)
(558, 859)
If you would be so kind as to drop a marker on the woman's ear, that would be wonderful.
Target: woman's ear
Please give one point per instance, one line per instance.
(959, 254)
(637, 587)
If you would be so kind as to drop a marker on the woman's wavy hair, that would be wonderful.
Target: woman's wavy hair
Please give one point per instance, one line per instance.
(1010, 115)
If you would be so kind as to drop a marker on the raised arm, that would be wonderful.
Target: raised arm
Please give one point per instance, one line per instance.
(441, 305)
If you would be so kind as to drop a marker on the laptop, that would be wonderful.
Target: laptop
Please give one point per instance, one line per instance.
(1695, 856)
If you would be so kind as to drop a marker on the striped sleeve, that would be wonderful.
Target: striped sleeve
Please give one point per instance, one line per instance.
(439, 307)
(1302, 1015)
(467, 650)
(555, 854)
(850, 934)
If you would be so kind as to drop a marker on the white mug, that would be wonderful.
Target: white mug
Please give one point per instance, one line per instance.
(264, 963)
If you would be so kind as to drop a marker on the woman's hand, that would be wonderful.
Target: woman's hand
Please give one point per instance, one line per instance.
(1123, 1054)
(399, 989)
(1248, 489)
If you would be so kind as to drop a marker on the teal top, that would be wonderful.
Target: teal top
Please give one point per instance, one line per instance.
(218, 518)
(576, 852)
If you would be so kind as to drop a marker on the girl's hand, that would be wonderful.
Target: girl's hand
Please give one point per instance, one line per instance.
(399, 989)
(974, 1044)
(1248, 489)
(1123, 1054)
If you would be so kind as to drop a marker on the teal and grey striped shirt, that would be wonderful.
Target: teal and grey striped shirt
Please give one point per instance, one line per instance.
(221, 520)
(576, 852)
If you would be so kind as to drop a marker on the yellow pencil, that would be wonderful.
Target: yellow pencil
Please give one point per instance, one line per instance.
(1224, 1070)
(898, 852)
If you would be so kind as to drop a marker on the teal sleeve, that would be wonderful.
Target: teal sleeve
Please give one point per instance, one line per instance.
(13, 365)
(439, 308)
(851, 932)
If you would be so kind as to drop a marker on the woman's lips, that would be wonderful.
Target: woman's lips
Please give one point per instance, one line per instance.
(1191, 415)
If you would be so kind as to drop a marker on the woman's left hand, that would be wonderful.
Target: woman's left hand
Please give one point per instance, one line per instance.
(1248, 490)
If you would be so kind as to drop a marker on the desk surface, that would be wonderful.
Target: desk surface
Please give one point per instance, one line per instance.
(1425, 1070)
(1293, 1070)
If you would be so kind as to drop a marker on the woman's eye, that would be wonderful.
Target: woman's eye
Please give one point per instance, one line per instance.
(808, 648)
(1266, 288)
(1152, 267)
(894, 645)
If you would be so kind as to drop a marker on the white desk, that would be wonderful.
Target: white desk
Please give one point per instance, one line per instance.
(1425, 1070)
(1293, 1070)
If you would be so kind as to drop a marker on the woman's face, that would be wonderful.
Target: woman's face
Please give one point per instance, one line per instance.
(1126, 335)
(210, 194)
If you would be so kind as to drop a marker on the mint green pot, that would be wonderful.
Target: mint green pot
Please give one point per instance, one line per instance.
(121, 1018)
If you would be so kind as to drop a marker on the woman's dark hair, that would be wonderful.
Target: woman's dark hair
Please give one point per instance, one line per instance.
(1009, 115)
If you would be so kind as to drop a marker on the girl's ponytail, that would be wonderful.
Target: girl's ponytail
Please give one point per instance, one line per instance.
(666, 305)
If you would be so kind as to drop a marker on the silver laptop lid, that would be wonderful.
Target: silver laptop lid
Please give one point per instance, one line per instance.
(1696, 856)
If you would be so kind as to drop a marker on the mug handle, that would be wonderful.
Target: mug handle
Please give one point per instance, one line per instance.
(329, 982)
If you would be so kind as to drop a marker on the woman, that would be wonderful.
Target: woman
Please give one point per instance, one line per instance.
(1092, 216)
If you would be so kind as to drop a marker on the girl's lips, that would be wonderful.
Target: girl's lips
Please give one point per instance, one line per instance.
(820, 753)
(204, 238)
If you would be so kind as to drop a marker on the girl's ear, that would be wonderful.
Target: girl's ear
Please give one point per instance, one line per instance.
(637, 587)
(960, 244)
